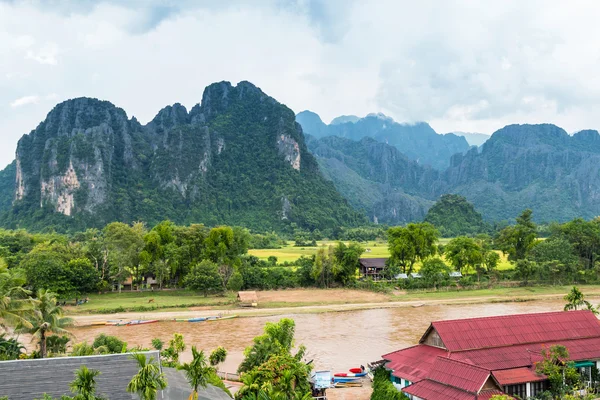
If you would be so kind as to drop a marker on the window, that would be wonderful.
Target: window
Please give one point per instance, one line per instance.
(538, 387)
(516, 390)
(397, 380)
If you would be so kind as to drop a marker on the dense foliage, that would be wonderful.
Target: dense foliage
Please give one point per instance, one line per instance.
(453, 216)
(383, 389)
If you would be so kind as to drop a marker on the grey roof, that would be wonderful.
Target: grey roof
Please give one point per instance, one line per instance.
(30, 379)
(373, 262)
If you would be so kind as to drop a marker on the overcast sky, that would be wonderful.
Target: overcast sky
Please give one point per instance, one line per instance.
(459, 65)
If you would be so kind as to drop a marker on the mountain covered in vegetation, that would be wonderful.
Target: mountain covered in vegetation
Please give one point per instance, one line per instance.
(236, 158)
(419, 142)
(454, 216)
(521, 166)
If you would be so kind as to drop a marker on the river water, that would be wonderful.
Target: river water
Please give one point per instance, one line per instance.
(334, 340)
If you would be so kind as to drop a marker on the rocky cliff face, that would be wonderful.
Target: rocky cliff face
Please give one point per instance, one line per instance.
(238, 157)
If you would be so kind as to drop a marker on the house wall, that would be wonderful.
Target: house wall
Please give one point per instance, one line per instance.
(433, 339)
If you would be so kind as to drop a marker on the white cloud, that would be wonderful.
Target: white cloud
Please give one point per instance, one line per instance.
(25, 100)
(461, 65)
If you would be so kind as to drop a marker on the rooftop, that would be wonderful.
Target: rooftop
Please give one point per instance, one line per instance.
(373, 262)
(414, 362)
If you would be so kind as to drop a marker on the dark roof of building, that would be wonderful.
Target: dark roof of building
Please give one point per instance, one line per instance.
(30, 379)
(458, 374)
(414, 362)
(517, 375)
(373, 262)
(478, 333)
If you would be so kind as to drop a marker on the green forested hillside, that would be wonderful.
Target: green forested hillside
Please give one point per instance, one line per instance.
(454, 216)
(237, 158)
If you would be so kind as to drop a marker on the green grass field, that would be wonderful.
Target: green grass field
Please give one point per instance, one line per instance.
(378, 249)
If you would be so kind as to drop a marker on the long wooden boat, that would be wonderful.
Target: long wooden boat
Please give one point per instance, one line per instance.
(181, 319)
(141, 322)
(339, 385)
(350, 374)
(221, 318)
(199, 319)
(96, 323)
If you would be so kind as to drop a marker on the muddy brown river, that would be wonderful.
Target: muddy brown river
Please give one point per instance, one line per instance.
(334, 340)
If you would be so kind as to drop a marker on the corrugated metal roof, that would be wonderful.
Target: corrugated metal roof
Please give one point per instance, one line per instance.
(414, 362)
(430, 390)
(478, 333)
(517, 375)
(458, 374)
(373, 262)
(488, 394)
(525, 355)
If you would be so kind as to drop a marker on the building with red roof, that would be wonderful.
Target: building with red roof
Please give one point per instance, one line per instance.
(478, 357)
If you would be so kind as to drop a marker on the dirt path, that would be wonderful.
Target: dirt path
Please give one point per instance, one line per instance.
(82, 320)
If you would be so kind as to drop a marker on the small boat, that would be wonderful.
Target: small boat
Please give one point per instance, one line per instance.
(339, 385)
(96, 323)
(141, 321)
(356, 370)
(199, 319)
(344, 379)
(212, 318)
(350, 374)
(221, 318)
(180, 320)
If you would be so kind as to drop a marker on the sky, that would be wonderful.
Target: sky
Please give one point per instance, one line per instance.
(472, 66)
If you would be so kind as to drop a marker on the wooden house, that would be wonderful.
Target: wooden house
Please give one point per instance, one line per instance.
(372, 268)
(247, 299)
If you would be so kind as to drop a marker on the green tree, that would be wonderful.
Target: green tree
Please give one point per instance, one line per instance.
(518, 239)
(491, 259)
(277, 339)
(57, 344)
(47, 317)
(236, 282)
(347, 261)
(84, 385)
(149, 379)
(15, 303)
(576, 300)
(561, 373)
(322, 267)
(434, 271)
(197, 372)
(584, 237)
(110, 344)
(454, 216)
(218, 356)
(204, 277)
(46, 268)
(383, 388)
(124, 244)
(463, 253)
(83, 276)
(412, 243)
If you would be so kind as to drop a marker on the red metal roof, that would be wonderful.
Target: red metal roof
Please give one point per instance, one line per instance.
(488, 394)
(458, 374)
(414, 362)
(478, 333)
(517, 375)
(431, 390)
(526, 354)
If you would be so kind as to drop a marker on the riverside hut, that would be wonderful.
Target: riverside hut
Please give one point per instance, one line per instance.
(372, 267)
(247, 299)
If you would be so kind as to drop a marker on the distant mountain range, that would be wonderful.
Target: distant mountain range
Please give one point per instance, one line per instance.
(417, 141)
(474, 139)
(240, 158)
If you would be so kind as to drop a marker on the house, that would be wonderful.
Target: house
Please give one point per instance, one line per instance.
(30, 379)
(372, 267)
(478, 357)
(247, 299)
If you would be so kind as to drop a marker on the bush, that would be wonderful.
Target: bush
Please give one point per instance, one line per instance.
(383, 389)
(112, 344)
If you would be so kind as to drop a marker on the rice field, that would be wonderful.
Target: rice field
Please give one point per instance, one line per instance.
(374, 249)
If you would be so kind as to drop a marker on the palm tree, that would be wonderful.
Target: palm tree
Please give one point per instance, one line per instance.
(576, 299)
(84, 385)
(149, 379)
(47, 317)
(14, 300)
(197, 371)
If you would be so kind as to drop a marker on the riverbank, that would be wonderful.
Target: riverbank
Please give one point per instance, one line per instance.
(302, 301)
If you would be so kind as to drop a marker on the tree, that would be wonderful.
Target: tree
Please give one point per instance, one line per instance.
(236, 282)
(83, 276)
(205, 278)
(57, 344)
(434, 271)
(322, 268)
(454, 216)
(149, 379)
(463, 252)
(576, 300)
(277, 339)
(491, 259)
(124, 244)
(347, 261)
(518, 239)
(525, 269)
(218, 356)
(47, 317)
(14, 301)
(196, 372)
(383, 389)
(412, 243)
(561, 373)
(84, 385)
(584, 237)
(46, 268)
